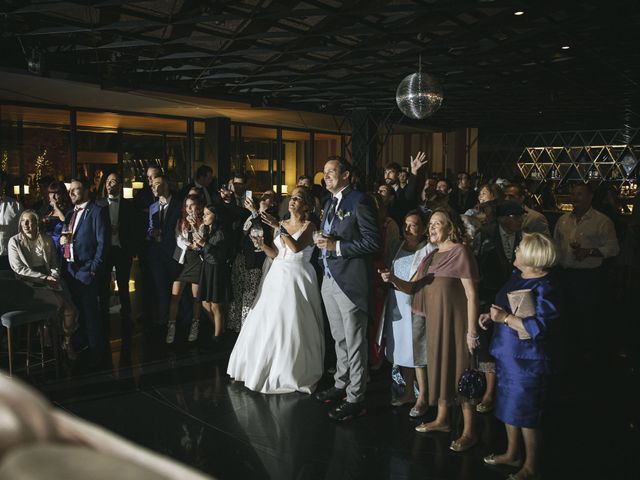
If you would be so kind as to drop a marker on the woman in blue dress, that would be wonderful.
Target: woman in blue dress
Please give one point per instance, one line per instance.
(406, 342)
(53, 212)
(521, 345)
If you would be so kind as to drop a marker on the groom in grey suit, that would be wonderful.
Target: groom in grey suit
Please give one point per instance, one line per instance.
(350, 236)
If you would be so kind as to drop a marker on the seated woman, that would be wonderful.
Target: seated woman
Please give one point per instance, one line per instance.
(521, 347)
(33, 256)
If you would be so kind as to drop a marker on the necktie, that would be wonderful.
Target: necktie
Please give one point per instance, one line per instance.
(163, 207)
(66, 249)
(331, 213)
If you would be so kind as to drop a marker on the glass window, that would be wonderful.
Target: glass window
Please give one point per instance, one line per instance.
(33, 152)
(254, 151)
(296, 146)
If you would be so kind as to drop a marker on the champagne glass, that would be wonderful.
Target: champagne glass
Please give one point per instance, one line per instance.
(257, 233)
(317, 235)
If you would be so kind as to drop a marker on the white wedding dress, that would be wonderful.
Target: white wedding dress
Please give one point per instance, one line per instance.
(281, 344)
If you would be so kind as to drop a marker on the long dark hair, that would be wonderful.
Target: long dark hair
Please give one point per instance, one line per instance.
(211, 228)
(64, 201)
(184, 223)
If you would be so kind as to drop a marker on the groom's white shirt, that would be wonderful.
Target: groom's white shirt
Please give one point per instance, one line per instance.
(339, 197)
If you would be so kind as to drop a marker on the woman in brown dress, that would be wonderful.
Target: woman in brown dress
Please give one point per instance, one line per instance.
(445, 294)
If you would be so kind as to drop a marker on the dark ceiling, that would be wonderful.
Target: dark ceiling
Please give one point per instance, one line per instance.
(499, 70)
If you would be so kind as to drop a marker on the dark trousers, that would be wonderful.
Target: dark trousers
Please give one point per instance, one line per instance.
(90, 326)
(164, 270)
(121, 260)
(146, 287)
(583, 293)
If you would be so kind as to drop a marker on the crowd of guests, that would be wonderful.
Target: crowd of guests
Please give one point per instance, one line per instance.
(418, 272)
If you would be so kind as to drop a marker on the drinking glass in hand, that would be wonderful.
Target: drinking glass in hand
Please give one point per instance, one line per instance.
(317, 235)
(257, 234)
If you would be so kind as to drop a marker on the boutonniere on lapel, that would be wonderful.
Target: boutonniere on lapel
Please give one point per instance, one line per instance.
(341, 214)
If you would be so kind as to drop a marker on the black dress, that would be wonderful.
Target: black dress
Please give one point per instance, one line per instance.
(214, 279)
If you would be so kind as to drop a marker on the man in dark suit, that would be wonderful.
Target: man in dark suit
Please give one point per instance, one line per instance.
(123, 246)
(142, 201)
(203, 181)
(350, 237)
(464, 197)
(85, 245)
(406, 198)
(163, 218)
(498, 242)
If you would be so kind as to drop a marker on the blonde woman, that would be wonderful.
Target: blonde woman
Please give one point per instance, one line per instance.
(33, 256)
(521, 346)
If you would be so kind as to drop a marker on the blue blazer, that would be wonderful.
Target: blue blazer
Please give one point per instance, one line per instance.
(167, 244)
(355, 226)
(91, 239)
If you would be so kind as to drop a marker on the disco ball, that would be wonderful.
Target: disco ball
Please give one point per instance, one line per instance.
(419, 95)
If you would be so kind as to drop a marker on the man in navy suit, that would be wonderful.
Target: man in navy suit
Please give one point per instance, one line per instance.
(350, 237)
(85, 245)
(204, 181)
(164, 214)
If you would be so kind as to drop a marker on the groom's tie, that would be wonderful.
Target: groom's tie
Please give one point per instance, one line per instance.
(331, 213)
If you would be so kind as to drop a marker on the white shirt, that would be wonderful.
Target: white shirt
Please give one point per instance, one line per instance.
(10, 211)
(508, 242)
(593, 230)
(76, 221)
(114, 214)
(339, 197)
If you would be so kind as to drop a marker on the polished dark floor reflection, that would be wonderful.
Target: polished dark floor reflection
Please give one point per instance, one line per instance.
(179, 402)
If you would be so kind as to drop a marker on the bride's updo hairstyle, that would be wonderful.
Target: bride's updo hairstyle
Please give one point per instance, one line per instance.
(305, 194)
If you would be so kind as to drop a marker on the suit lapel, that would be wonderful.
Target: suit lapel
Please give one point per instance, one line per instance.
(82, 218)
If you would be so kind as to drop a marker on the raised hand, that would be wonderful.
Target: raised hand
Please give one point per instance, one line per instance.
(249, 205)
(418, 162)
(269, 219)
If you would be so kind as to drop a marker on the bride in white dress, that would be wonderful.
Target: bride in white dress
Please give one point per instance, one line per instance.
(281, 345)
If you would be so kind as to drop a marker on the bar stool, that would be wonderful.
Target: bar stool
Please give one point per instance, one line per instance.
(17, 308)
(37, 314)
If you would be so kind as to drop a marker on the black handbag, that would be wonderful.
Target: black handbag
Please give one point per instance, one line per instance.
(472, 383)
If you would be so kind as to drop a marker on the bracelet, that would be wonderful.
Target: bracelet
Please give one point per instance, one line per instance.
(471, 337)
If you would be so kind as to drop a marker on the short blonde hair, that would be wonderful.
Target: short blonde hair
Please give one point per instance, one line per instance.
(538, 250)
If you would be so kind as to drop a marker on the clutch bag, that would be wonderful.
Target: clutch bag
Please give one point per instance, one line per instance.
(522, 305)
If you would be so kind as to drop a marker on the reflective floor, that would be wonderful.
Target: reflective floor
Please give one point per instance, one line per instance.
(179, 402)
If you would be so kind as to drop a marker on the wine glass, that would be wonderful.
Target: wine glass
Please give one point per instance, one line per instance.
(257, 233)
(317, 235)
